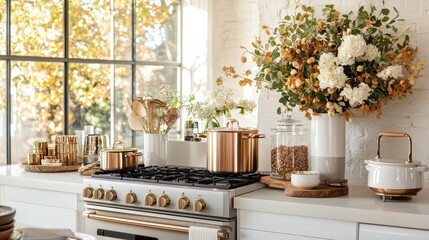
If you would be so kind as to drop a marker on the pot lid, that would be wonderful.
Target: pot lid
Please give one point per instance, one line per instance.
(233, 126)
(118, 147)
(393, 162)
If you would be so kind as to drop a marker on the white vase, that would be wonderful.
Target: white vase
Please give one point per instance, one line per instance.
(155, 149)
(328, 146)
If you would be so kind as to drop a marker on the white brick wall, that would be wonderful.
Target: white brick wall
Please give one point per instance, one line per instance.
(237, 23)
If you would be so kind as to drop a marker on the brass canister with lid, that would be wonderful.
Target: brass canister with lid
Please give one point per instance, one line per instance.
(289, 148)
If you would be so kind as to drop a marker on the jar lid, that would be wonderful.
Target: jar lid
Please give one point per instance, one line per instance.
(289, 125)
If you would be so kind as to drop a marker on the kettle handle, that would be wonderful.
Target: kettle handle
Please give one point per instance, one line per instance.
(395, 134)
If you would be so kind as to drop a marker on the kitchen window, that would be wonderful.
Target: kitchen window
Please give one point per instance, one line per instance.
(69, 63)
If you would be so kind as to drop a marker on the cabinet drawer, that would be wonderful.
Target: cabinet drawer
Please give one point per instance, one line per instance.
(247, 234)
(371, 232)
(316, 228)
(41, 197)
(43, 216)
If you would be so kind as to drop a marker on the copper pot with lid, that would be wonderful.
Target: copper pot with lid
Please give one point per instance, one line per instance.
(119, 157)
(233, 149)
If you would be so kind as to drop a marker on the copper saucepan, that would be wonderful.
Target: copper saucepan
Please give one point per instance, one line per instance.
(119, 157)
(233, 149)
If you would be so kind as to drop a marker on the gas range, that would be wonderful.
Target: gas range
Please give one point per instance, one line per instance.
(170, 189)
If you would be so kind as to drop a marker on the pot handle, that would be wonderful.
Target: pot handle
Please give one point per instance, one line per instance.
(395, 134)
(134, 154)
(423, 168)
(254, 136)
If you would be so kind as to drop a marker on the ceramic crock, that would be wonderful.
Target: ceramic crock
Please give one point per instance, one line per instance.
(390, 177)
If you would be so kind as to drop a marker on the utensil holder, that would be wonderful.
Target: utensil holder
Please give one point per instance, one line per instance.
(155, 149)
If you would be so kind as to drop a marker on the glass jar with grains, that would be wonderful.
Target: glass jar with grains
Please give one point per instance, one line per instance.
(289, 148)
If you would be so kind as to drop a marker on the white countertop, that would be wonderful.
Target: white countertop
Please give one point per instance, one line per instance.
(361, 205)
(15, 175)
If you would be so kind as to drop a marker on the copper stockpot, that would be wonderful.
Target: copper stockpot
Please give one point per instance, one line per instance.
(119, 157)
(233, 149)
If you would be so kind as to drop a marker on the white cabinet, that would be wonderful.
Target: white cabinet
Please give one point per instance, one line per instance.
(44, 208)
(253, 225)
(372, 232)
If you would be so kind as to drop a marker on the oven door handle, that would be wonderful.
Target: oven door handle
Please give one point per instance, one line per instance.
(175, 228)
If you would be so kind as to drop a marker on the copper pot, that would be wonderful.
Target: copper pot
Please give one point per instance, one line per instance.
(233, 149)
(119, 157)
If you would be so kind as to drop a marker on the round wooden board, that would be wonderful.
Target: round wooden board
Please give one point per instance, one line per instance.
(49, 169)
(321, 191)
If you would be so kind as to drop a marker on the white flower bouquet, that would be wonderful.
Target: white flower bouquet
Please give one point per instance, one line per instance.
(334, 63)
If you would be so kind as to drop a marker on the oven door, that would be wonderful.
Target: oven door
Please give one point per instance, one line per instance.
(140, 225)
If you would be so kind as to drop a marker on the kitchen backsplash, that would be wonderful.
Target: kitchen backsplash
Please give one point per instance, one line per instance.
(409, 115)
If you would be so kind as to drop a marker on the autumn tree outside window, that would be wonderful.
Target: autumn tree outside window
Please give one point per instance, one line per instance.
(69, 63)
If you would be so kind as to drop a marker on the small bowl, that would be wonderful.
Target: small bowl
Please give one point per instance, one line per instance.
(305, 179)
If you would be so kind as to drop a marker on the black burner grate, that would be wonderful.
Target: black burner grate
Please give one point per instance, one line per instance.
(185, 176)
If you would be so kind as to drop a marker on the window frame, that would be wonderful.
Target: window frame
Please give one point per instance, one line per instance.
(66, 60)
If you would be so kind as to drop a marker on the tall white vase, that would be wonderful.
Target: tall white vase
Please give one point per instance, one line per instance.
(328, 146)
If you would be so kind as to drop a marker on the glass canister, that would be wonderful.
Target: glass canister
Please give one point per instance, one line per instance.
(289, 148)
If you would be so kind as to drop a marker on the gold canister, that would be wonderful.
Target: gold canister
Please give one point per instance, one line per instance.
(72, 148)
(71, 139)
(51, 150)
(32, 159)
(63, 158)
(71, 159)
(40, 144)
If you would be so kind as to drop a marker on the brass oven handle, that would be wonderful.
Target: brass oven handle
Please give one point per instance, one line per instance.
(395, 134)
(168, 227)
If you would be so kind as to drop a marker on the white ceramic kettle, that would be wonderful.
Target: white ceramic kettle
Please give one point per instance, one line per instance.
(388, 177)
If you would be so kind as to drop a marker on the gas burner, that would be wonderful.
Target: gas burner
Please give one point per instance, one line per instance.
(395, 198)
(186, 176)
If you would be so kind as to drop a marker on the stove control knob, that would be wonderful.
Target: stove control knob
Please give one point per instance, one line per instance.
(150, 199)
(88, 192)
(99, 193)
(110, 195)
(183, 202)
(199, 205)
(163, 201)
(130, 198)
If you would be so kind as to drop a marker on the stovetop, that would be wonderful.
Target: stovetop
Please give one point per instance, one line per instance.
(185, 176)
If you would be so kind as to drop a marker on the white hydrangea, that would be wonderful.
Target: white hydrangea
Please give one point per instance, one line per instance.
(247, 105)
(327, 60)
(351, 47)
(394, 72)
(372, 52)
(357, 95)
(332, 77)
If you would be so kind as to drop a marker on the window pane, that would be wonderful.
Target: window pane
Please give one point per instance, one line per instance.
(37, 28)
(2, 113)
(90, 98)
(100, 29)
(157, 30)
(3, 27)
(150, 78)
(37, 104)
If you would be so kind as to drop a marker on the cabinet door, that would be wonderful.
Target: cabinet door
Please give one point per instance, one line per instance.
(248, 234)
(294, 227)
(372, 232)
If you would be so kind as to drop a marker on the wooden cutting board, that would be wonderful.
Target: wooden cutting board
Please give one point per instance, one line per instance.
(321, 191)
